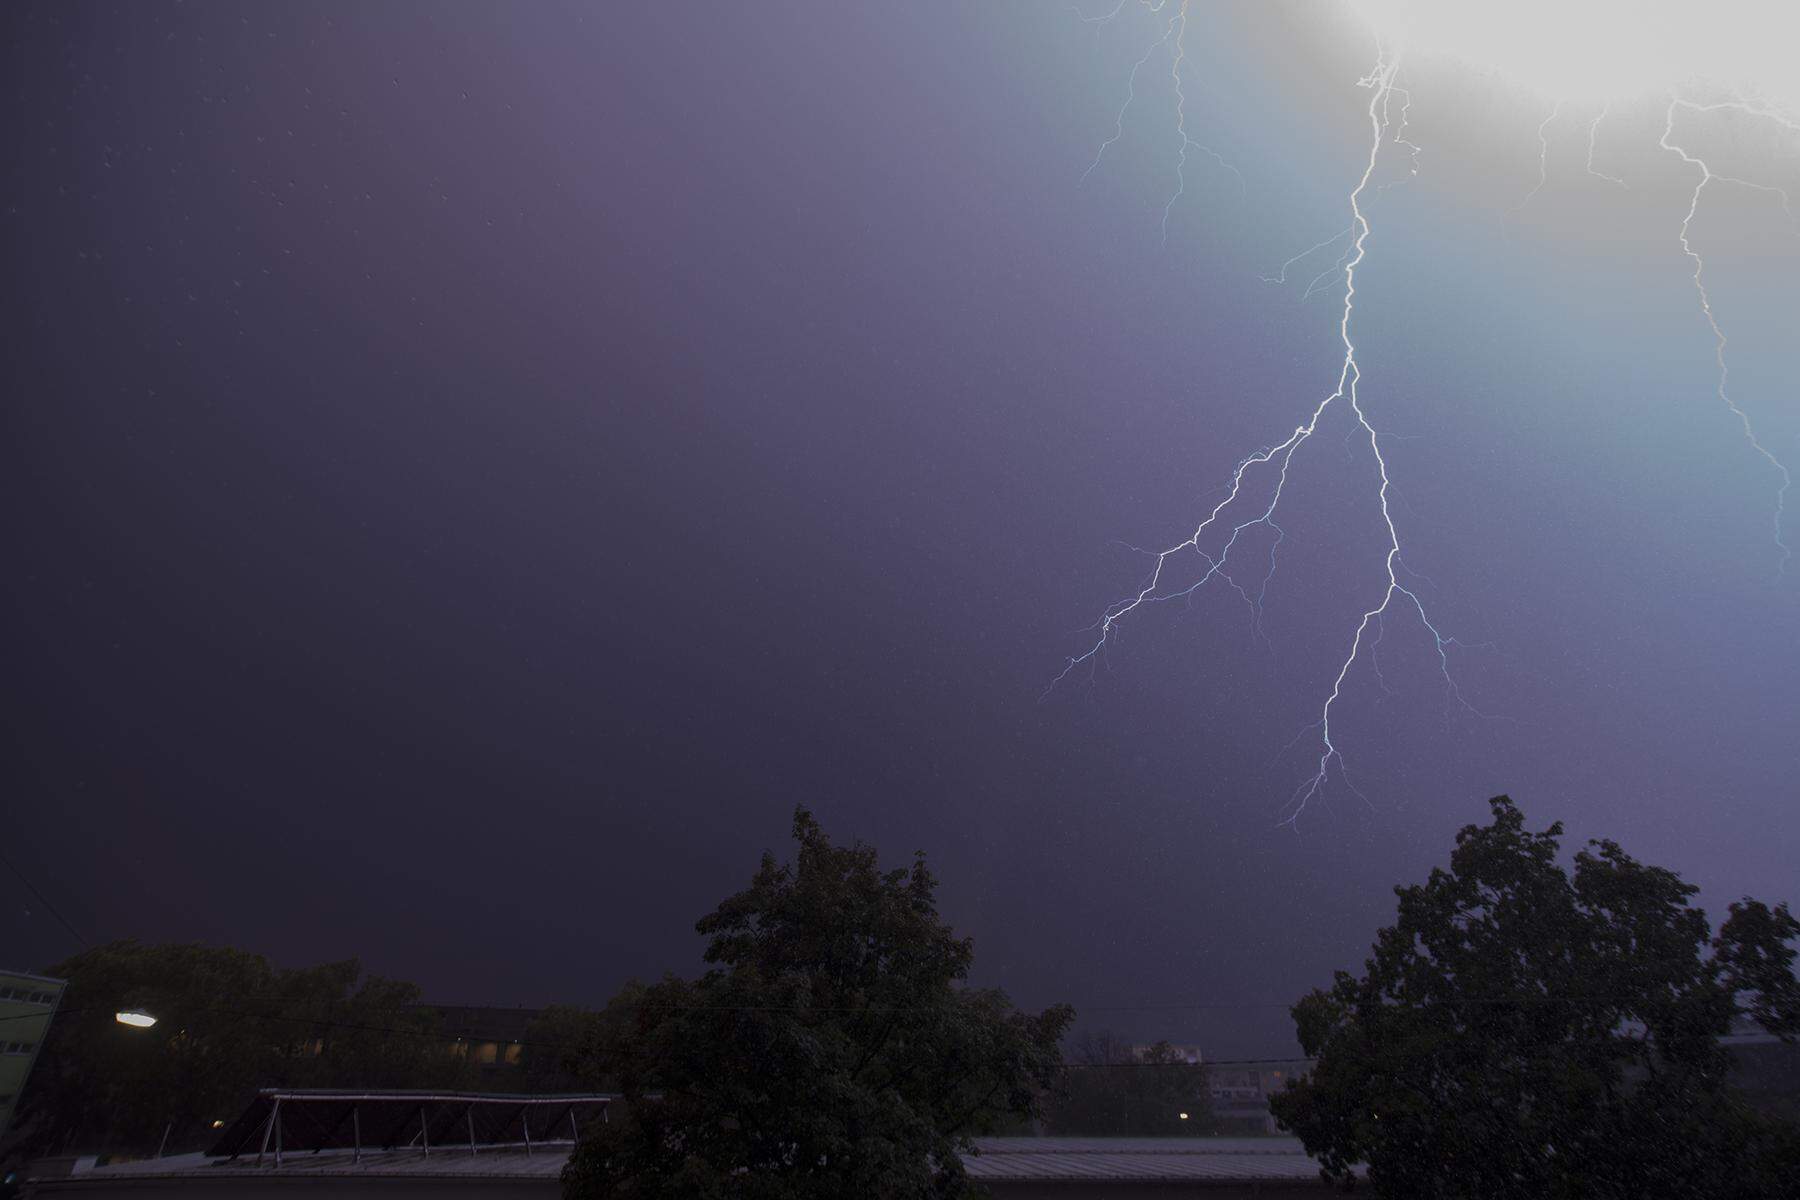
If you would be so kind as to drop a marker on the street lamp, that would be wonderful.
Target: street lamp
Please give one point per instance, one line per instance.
(137, 1018)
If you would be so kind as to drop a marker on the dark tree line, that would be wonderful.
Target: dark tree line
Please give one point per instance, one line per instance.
(1521, 1030)
(1524, 1031)
(227, 1023)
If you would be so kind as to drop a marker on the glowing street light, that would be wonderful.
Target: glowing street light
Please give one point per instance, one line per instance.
(1184, 1116)
(134, 1018)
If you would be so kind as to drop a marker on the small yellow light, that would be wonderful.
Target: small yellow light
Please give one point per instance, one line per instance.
(140, 1020)
(218, 1124)
(1184, 1116)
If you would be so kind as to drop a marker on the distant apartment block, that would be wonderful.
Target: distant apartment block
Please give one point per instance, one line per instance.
(27, 1002)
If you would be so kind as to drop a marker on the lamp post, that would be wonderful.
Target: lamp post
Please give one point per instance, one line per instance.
(137, 1018)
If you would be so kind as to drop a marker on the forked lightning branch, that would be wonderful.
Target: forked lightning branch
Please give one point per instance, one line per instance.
(1219, 543)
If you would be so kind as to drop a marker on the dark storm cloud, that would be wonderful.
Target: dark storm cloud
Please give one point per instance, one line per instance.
(475, 468)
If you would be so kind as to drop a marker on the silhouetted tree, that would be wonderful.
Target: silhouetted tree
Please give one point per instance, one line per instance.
(565, 1045)
(1519, 1032)
(830, 1051)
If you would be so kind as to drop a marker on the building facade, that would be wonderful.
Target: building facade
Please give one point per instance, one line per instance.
(1241, 1092)
(27, 1003)
(490, 1037)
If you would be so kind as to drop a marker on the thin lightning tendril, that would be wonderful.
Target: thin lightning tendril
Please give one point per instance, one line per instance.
(1187, 142)
(1130, 91)
(1593, 136)
(1322, 280)
(1180, 121)
(1174, 30)
(1400, 139)
(1543, 137)
(1708, 175)
(1281, 275)
(1105, 18)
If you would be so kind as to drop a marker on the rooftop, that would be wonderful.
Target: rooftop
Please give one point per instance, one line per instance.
(996, 1159)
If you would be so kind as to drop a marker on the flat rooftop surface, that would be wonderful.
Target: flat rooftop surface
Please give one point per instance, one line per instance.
(1141, 1159)
(1050, 1158)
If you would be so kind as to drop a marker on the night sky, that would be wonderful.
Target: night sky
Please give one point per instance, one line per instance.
(473, 468)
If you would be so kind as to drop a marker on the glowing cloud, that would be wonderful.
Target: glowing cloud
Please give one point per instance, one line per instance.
(1599, 50)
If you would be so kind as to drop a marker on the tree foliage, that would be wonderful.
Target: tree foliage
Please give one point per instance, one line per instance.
(831, 1050)
(567, 1046)
(1111, 1090)
(228, 1023)
(1521, 1032)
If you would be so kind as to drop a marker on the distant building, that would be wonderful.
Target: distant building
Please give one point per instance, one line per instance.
(27, 1002)
(1241, 1092)
(1187, 1054)
(491, 1037)
(1765, 1068)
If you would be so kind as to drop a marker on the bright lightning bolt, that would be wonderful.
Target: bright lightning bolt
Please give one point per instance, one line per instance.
(1240, 516)
(1280, 457)
(1787, 201)
(1382, 81)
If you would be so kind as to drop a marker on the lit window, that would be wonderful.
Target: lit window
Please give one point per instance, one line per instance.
(487, 1052)
(513, 1052)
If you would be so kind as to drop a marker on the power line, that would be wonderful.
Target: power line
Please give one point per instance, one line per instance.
(879, 1009)
(48, 907)
(436, 1035)
(439, 1035)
